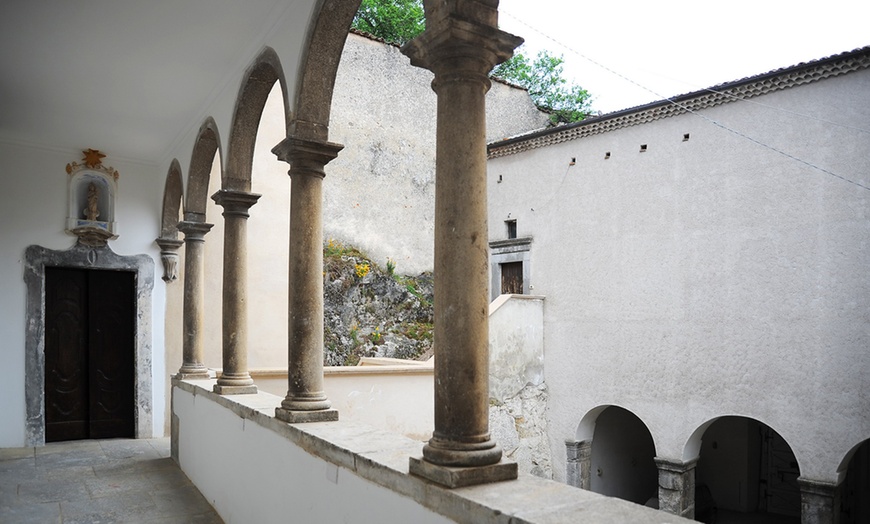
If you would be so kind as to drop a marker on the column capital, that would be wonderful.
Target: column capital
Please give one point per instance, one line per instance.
(169, 257)
(306, 157)
(455, 47)
(193, 230)
(675, 466)
(169, 244)
(235, 202)
(817, 487)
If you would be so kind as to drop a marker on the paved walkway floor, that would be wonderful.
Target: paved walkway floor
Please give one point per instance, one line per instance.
(98, 481)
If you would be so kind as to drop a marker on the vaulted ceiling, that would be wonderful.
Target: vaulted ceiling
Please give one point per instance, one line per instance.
(129, 77)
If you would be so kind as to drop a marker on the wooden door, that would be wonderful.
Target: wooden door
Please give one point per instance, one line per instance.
(512, 278)
(89, 330)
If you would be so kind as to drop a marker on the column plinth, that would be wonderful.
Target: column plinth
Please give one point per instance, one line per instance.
(460, 46)
(193, 344)
(305, 401)
(677, 486)
(235, 378)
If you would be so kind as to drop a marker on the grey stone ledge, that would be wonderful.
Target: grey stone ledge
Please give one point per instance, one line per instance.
(383, 458)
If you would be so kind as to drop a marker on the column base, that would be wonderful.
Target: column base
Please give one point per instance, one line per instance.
(453, 477)
(192, 376)
(300, 417)
(235, 390)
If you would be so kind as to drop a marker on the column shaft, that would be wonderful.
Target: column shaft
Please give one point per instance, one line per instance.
(677, 486)
(460, 46)
(235, 378)
(193, 365)
(305, 401)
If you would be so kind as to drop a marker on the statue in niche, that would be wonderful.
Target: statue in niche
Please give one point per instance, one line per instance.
(92, 211)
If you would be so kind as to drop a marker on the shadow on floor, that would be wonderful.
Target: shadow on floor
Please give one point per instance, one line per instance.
(105, 481)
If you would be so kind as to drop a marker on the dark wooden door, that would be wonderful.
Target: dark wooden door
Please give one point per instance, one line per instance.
(512, 278)
(89, 330)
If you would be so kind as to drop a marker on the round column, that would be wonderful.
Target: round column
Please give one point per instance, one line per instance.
(193, 366)
(306, 401)
(235, 378)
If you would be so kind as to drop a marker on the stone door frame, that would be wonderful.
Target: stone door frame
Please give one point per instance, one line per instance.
(84, 257)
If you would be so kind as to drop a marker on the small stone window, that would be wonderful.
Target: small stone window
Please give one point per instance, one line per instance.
(511, 228)
(643, 148)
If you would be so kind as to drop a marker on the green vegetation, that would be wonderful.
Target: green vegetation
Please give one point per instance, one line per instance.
(396, 21)
(399, 21)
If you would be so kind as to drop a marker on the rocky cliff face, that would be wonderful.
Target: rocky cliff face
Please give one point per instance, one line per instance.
(372, 311)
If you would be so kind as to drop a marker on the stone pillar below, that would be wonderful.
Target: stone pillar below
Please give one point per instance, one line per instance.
(461, 45)
(819, 502)
(235, 378)
(306, 400)
(579, 465)
(677, 486)
(193, 344)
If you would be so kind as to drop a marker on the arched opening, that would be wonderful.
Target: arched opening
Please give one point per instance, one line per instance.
(746, 473)
(622, 457)
(855, 489)
(173, 192)
(205, 151)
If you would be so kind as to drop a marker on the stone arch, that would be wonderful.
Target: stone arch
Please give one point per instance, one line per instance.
(173, 194)
(257, 83)
(319, 64)
(204, 149)
(618, 456)
(737, 457)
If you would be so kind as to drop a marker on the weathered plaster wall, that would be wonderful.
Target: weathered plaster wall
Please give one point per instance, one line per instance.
(380, 191)
(706, 277)
(34, 200)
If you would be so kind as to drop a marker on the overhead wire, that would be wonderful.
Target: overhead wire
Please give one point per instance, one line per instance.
(692, 111)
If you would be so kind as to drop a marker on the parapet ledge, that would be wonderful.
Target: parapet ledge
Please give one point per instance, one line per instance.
(382, 457)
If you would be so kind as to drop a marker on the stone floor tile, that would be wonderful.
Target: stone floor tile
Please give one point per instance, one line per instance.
(203, 518)
(18, 470)
(76, 457)
(67, 447)
(129, 449)
(64, 473)
(16, 453)
(119, 507)
(180, 502)
(43, 513)
(167, 478)
(51, 491)
(115, 484)
(161, 446)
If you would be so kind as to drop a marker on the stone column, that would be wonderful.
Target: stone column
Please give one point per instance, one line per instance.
(579, 463)
(677, 486)
(306, 401)
(460, 46)
(235, 379)
(193, 366)
(169, 257)
(819, 502)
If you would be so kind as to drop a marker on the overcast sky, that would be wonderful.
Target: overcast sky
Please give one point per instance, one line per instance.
(677, 46)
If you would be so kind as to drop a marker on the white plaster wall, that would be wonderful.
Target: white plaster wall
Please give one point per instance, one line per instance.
(708, 277)
(398, 401)
(252, 474)
(34, 203)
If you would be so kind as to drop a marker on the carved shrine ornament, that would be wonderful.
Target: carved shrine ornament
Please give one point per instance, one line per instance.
(92, 191)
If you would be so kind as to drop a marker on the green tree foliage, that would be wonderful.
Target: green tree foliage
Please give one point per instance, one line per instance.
(399, 21)
(548, 88)
(396, 21)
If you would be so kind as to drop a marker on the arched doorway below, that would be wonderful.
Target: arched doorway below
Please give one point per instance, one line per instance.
(623, 452)
(855, 490)
(746, 473)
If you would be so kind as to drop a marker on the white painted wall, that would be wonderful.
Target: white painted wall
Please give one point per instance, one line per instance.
(252, 474)
(34, 202)
(708, 277)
